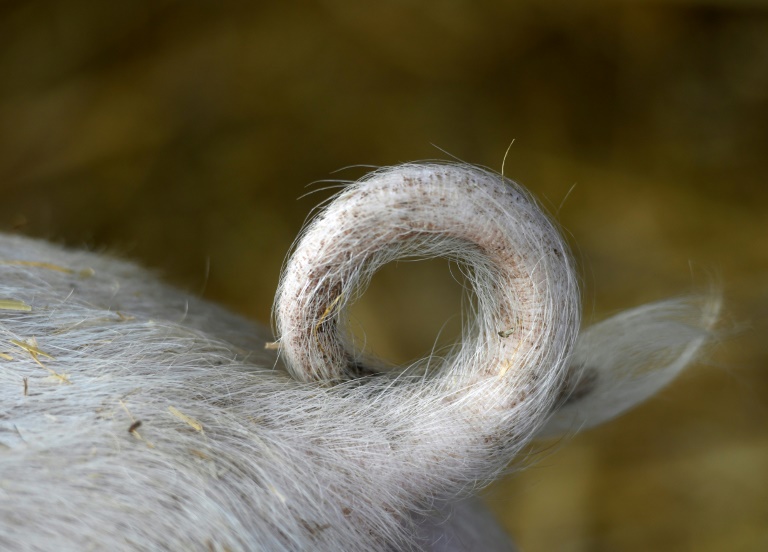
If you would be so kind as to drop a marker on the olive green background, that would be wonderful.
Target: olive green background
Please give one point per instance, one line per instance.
(183, 135)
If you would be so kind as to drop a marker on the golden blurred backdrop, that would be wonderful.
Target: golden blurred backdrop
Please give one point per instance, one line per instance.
(184, 135)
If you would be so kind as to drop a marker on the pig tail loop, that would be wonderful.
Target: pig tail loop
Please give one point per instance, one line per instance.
(527, 308)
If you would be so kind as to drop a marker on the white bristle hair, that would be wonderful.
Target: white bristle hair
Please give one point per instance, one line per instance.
(134, 416)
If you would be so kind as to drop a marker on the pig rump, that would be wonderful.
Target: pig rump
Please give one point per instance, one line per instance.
(136, 417)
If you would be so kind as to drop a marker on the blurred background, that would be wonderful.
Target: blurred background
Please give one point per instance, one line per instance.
(184, 135)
